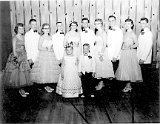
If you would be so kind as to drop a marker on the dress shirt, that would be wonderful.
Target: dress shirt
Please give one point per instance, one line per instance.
(144, 49)
(86, 64)
(89, 38)
(58, 48)
(31, 44)
(114, 41)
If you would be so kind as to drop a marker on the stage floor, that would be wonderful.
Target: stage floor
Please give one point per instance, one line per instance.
(110, 105)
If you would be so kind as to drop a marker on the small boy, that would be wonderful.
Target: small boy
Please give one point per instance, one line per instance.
(87, 71)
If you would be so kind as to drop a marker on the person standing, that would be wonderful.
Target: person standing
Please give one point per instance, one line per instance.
(69, 84)
(46, 67)
(31, 42)
(73, 36)
(17, 69)
(144, 50)
(129, 69)
(58, 39)
(104, 67)
(87, 35)
(87, 71)
(114, 39)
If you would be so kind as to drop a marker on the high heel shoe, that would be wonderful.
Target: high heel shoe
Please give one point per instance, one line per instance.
(127, 89)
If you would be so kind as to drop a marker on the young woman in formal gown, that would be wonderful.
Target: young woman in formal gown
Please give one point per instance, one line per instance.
(129, 68)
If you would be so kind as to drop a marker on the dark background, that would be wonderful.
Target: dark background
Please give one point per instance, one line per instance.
(5, 33)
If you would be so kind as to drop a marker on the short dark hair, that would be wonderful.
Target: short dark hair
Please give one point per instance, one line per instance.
(32, 20)
(85, 19)
(144, 19)
(86, 44)
(130, 20)
(16, 27)
(58, 22)
(112, 16)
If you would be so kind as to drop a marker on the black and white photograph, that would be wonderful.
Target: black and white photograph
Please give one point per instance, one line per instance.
(79, 61)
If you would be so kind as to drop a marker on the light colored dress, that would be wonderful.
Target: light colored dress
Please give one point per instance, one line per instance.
(76, 45)
(104, 69)
(70, 86)
(46, 69)
(129, 68)
(17, 68)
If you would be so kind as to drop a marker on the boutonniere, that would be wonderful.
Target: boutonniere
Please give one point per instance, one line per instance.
(89, 56)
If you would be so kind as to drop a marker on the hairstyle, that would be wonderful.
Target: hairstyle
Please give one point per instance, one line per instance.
(32, 20)
(130, 20)
(45, 24)
(85, 19)
(57, 24)
(16, 27)
(111, 16)
(74, 22)
(98, 20)
(144, 19)
(86, 44)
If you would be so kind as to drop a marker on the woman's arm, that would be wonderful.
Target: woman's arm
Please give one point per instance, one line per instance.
(40, 44)
(14, 46)
(104, 38)
(135, 42)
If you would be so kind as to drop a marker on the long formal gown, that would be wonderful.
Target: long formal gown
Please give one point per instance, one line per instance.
(46, 69)
(70, 86)
(104, 69)
(17, 69)
(129, 68)
(76, 45)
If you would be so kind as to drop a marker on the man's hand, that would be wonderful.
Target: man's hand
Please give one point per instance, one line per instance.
(141, 61)
(80, 74)
(114, 59)
(30, 61)
(93, 74)
(101, 58)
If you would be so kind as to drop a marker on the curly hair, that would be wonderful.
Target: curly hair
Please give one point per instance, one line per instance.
(16, 27)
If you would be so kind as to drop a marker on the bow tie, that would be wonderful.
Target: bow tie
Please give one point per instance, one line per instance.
(113, 29)
(61, 32)
(35, 31)
(142, 32)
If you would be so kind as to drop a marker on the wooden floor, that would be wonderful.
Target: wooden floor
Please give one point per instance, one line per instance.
(110, 105)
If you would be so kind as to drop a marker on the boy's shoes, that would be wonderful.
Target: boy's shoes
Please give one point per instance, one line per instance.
(82, 96)
(48, 89)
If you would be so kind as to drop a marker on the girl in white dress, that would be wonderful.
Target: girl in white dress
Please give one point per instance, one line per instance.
(69, 85)
(74, 36)
(104, 67)
(46, 69)
(129, 68)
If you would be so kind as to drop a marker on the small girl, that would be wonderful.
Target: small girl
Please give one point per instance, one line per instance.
(69, 84)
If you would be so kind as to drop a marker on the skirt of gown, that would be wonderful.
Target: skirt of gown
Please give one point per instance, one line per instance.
(129, 68)
(46, 68)
(104, 69)
(70, 85)
(17, 70)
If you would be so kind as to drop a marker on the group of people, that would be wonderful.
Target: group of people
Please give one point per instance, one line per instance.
(70, 63)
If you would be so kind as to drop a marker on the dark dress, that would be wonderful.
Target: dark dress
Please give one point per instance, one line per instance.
(17, 68)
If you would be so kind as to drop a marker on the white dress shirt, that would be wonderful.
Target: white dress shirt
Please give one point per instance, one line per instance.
(86, 64)
(89, 38)
(144, 49)
(58, 48)
(114, 41)
(31, 44)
